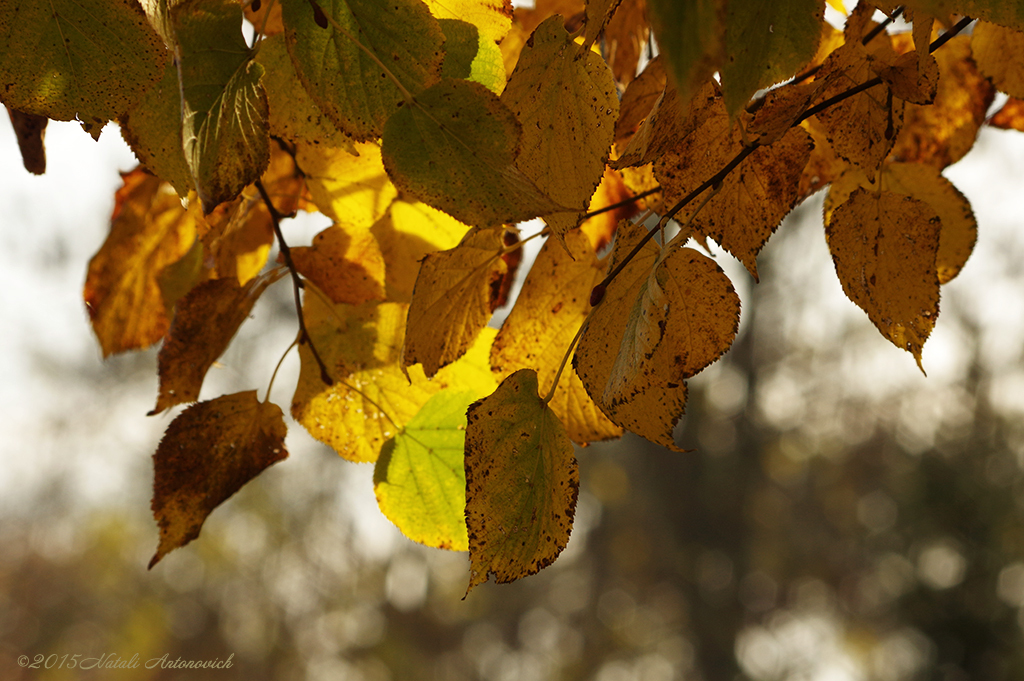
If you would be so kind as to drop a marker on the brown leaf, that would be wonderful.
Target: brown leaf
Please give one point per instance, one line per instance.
(30, 130)
(208, 453)
(149, 230)
(346, 265)
(941, 134)
(205, 321)
(1010, 116)
(909, 81)
(884, 247)
(625, 37)
(639, 99)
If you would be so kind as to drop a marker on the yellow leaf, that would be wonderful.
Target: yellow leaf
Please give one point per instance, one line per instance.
(941, 134)
(149, 230)
(661, 321)
(522, 482)
(752, 200)
(925, 183)
(598, 14)
(371, 398)
(406, 234)
(209, 452)
(999, 53)
(347, 266)
(454, 147)
(567, 105)
(205, 321)
(453, 300)
(493, 18)
(884, 247)
(350, 188)
(552, 305)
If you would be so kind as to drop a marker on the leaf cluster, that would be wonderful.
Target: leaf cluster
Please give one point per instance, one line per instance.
(425, 131)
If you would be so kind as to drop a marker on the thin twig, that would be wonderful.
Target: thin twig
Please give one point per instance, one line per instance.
(297, 285)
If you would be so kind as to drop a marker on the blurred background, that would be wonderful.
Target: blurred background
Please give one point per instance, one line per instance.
(842, 516)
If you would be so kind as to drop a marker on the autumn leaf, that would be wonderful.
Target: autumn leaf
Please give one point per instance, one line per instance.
(77, 59)
(999, 53)
(149, 230)
(567, 105)
(454, 148)
(551, 307)
(598, 14)
(347, 266)
(205, 321)
(340, 64)
(766, 42)
(453, 300)
(471, 55)
(223, 105)
(692, 37)
(662, 320)
(752, 200)
(209, 452)
(625, 37)
(923, 182)
(669, 121)
(293, 113)
(492, 18)
(1010, 116)
(348, 185)
(407, 233)
(30, 130)
(940, 134)
(613, 191)
(420, 480)
(897, 287)
(522, 483)
(638, 100)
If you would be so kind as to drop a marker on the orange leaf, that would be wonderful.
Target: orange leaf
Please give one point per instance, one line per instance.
(149, 230)
(347, 266)
(208, 453)
(205, 321)
(1010, 116)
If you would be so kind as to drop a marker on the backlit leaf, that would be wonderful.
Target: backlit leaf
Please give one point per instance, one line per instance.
(453, 300)
(346, 265)
(454, 149)
(897, 286)
(522, 482)
(940, 134)
(471, 55)
(661, 321)
(492, 18)
(209, 452)
(293, 113)
(350, 188)
(406, 234)
(224, 106)
(692, 37)
(205, 321)
(567, 105)
(552, 305)
(766, 42)
(152, 128)
(420, 480)
(77, 59)
(753, 199)
(347, 83)
(999, 53)
(371, 398)
(1010, 116)
(149, 230)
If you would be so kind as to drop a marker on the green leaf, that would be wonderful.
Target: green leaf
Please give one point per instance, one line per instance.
(522, 482)
(454, 148)
(471, 56)
(84, 59)
(346, 82)
(691, 36)
(766, 42)
(419, 478)
(224, 107)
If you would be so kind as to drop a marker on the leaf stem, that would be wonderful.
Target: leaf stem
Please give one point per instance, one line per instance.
(567, 355)
(270, 385)
(297, 284)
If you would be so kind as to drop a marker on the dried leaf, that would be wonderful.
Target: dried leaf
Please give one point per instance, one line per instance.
(149, 230)
(453, 300)
(522, 482)
(30, 130)
(209, 452)
(638, 100)
(897, 286)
